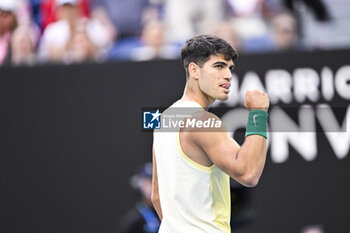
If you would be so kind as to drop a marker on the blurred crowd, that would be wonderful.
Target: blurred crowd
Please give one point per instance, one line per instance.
(74, 31)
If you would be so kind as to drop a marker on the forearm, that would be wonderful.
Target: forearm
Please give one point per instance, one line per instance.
(253, 151)
(252, 156)
(243, 163)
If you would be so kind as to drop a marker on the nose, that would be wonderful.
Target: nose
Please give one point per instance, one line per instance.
(228, 75)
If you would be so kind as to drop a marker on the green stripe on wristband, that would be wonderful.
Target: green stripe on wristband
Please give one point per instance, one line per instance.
(257, 123)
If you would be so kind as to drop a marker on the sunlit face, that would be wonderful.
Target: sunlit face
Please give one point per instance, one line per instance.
(215, 78)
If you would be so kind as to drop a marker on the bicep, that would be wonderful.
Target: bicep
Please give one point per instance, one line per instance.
(216, 143)
(222, 150)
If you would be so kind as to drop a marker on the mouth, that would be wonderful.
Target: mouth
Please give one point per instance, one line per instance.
(226, 87)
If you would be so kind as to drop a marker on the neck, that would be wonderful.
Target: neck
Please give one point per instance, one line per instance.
(193, 93)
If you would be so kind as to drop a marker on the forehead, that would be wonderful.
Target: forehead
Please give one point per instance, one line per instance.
(219, 58)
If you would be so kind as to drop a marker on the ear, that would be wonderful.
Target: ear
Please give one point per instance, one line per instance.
(194, 70)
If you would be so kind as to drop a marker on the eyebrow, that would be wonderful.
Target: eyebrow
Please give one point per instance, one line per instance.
(220, 63)
(224, 64)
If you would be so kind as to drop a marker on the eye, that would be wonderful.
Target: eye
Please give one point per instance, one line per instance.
(232, 68)
(219, 66)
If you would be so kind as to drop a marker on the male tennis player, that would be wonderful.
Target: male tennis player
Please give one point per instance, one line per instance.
(192, 166)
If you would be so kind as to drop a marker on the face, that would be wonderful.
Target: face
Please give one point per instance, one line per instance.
(215, 77)
(68, 12)
(7, 21)
(21, 44)
(153, 34)
(285, 33)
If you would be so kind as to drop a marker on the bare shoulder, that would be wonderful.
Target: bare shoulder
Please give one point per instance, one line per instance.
(203, 115)
(204, 128)
(210, 140)
(204, 122)
(199, 128)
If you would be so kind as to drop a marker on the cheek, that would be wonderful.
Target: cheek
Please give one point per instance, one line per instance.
(207, 85)
(204, 82)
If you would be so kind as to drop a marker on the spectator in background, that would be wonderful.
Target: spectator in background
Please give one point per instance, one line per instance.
(284, 32)
(126, 15)
(142, 218)
(25, 20)
(226, 31)
(56, 36)
(185, 18)
(282, 36)
(250, 21)
(100, 14)
(8, 23)
(80, 48)
(249, 17)
(49, 10)
(23, 44)
(153, 44)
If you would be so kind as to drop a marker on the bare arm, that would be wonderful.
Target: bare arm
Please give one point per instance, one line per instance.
(243, 163)
(155, 192)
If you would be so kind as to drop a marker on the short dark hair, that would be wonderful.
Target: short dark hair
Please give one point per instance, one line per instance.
(198, 49)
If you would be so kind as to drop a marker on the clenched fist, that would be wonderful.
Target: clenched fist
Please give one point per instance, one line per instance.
(256, 100)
